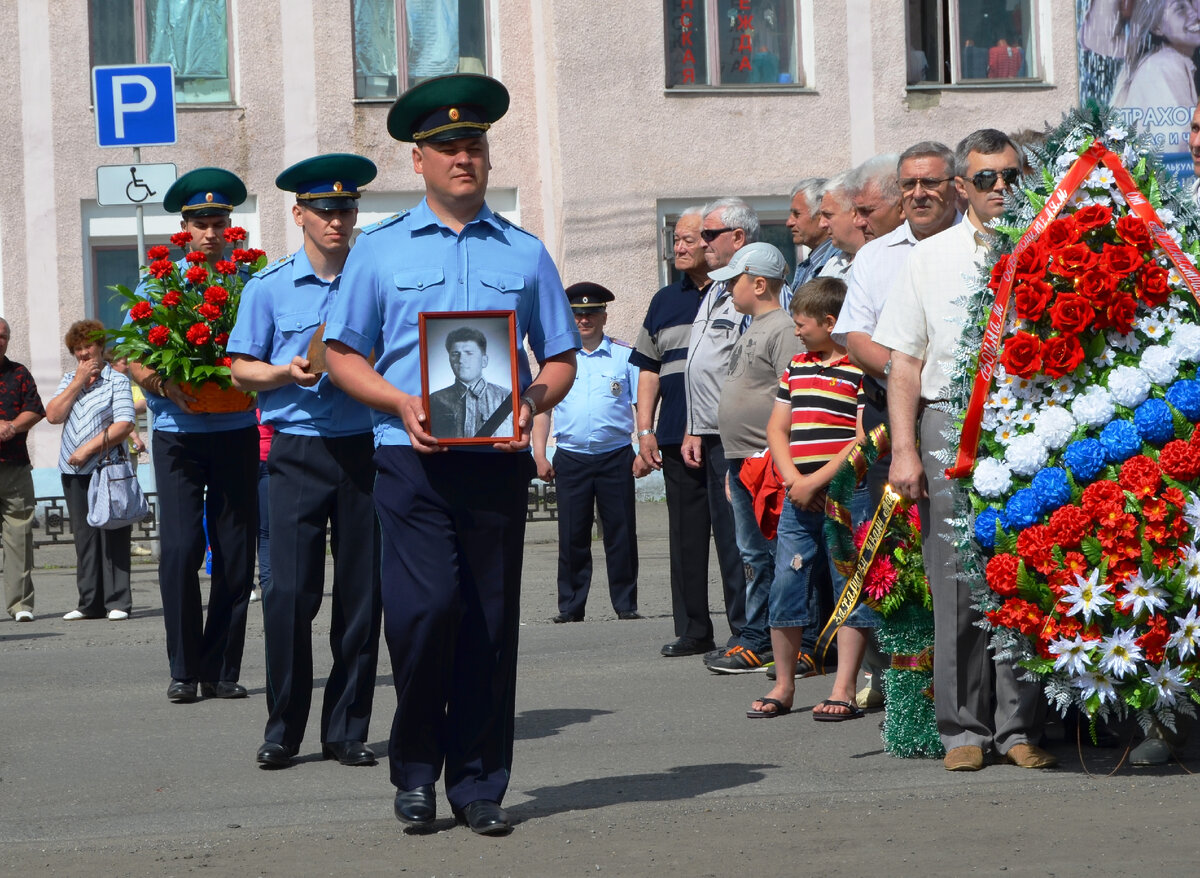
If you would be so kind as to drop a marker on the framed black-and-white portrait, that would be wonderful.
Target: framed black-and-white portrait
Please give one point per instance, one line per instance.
(469, 376)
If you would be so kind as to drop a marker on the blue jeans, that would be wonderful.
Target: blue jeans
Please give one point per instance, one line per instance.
(758, 556)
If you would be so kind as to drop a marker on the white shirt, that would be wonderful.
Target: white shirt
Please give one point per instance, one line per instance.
(837, 266)
(872, 275)
(921, 317)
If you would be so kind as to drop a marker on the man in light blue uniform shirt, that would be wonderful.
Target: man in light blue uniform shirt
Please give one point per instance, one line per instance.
(321, 473)
(206, 468)
(453, 519)
(594, 463)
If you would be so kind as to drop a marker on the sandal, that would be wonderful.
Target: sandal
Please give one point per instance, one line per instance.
(759, 713)
(854, 712)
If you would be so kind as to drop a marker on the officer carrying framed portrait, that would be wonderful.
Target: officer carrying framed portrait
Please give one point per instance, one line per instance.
(469, 359)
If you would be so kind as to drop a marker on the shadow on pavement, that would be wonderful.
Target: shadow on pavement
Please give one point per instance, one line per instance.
(13, 638)
(547, 723)
(680, 782)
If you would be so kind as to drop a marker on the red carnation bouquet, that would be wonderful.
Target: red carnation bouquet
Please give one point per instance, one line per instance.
(181, 315)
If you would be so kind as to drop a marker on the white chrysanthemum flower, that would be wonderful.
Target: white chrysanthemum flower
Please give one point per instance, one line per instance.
(1101, 178)
(1086, 596)
(1094, 407)
(1062, 390)
(992, 478)
(1129, 385)
(1070, 655)
(1106, 359)
(1025, 416)
(1095, 683)
(1054, 427)
(1115, 133)
(1006, 418)
(1186, 339)
(1005, 433)
(1143, 595)
(1166, 215)
(1168, 682)
(1160, 363)
(1151, 326)
(1025, 455)
(1119, 653)
(1023, 388)
(1184, 640)
(1189, 566)
(1130, 342)
(1002, 398)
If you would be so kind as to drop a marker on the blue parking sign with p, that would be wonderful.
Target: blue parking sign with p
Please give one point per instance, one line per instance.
(135, 104)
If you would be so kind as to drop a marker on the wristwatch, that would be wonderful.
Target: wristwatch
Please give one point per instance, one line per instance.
(642, 433)
(528, 400)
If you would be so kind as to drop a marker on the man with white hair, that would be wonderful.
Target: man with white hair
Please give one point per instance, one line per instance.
(804, 222)
(837, 218)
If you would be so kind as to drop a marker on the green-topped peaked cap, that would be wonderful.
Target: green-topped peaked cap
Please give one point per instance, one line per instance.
(448, 108)
(205, 192)
(328, 182)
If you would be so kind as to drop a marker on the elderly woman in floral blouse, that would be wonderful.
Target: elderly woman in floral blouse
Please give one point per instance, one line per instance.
(95, 406)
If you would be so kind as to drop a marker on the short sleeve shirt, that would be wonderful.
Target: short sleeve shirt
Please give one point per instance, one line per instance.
(824, 402)
(597, 414)
(414, 263)
(760, 356)
(107, 401)
(18, 394)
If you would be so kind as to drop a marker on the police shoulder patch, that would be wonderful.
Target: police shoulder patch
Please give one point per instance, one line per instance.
(275, 266)
(384, 223)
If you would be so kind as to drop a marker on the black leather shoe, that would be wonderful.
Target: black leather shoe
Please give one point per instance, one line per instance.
(271, 755)
(630, 614)
(181, 692)
(349, 752)
(485, 818)
(224, 689)
(566, 617)
(687, 646)
(416, 807)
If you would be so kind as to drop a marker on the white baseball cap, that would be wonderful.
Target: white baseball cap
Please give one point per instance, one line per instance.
(759, 259)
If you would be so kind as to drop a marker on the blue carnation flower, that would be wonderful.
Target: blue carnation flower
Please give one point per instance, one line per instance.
(1121, 440)
(1023, 509)
(1153, 421)
(1051, 488)
(985, 526)
(1185, 396)
(1085, 458)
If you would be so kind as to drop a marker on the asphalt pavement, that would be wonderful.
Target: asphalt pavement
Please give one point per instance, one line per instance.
(626, 763)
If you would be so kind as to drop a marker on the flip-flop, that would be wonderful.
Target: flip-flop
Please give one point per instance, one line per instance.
(780, 709)
(854, 712)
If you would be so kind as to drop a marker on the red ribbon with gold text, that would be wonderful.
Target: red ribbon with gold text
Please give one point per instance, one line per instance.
(1096, 154)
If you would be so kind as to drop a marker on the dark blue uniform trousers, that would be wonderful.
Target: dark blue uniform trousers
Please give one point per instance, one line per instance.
(584, 481)
(316, 480)
(185, 465)
(453, 528)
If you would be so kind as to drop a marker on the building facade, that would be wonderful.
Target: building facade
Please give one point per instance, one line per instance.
(623, 114)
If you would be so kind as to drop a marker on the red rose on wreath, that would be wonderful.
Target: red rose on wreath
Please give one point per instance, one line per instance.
(171, 298)
(199, 333)
(158, 336)
(1121, 259)
(1121, 313)
(1140, 476)
(1096, 286)
(1031, 262)
(1060, 233)
(1001, 574)
(993, 281)
(1152, 286)
(1072, 314)
(235, 233)
(180, 239)
(141, 311)
(158, 251)
(208, 312)
(1031, 299)
(1133, 231)
(1061, 355)
(1022, 355)
(197, 274)
(215, 295)
(1073, 260)
(1180, 460)
(224, 266)
(160, 268)
(1092, 217)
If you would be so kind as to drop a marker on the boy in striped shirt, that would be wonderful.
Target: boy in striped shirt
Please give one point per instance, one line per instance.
(813, 426)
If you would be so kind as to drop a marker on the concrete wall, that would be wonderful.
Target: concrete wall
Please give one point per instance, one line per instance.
(589, 154)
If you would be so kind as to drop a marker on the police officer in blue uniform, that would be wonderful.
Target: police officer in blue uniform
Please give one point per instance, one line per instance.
(321, 473)
(594, 462)
(453, 519)
(205, 465)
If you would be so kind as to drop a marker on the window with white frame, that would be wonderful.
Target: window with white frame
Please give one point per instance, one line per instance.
(732, 43)
(190, 35)
(398, 43)
(952, 42)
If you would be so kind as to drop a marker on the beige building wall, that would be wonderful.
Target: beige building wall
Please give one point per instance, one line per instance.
(592, 156)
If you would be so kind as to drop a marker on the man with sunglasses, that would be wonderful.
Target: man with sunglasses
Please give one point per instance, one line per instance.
(321, 472)
(594, 465)
(980, 704)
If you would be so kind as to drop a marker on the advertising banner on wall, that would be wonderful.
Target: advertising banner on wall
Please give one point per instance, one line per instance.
(1139, 56)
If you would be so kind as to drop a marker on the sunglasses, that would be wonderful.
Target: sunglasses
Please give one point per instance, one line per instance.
(986, 180)
(711, 235)
(909, 184)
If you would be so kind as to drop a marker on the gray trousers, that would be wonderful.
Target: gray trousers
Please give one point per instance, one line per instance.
(977, 701)
(16, 506)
